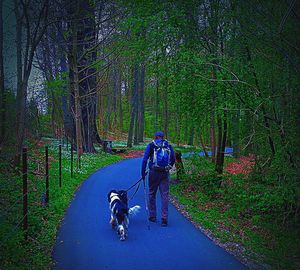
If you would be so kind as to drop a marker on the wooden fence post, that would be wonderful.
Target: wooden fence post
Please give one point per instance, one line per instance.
(71, 160)
(25, 190)
(47, 174)
(59, 154)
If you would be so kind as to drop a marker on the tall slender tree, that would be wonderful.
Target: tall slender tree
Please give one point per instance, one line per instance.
(2, 87)
(33, 31)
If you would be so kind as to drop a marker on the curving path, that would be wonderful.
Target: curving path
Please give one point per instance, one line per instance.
(86, 241)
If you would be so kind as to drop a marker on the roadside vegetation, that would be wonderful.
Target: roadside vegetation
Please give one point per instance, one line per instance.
(43, 220)
(240, 211)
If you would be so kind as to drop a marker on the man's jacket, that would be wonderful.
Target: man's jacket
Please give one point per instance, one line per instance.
(148, 155)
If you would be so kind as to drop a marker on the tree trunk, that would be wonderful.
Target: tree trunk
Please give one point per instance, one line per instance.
(49, 76)
(180, 172)
(69, 125)
(2, 89)
(236, 133)
(166, 120)
(203, 146)
(24, 62)
(21, 111)
(87, 74)
(108, 114)
(156, 104)
(141, 104)
(219, 147)
(191, 134)
(77, 113)
(136, 104)
(74, 69)
(100, 105)
(20, 90)
(83, 55)
(213, 136)
(222, 137)
(134, 98)
(131, 126)
(114, 80)
(186, 129)
(178, 128)
(120, 109)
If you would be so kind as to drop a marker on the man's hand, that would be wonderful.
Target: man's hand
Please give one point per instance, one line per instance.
(144, 175)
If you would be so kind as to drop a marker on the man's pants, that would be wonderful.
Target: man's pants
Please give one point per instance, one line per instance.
(158, 179)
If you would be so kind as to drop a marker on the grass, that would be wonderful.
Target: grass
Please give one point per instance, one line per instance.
(43, 221)
(222, 211)
(229, 213)
(142, 146)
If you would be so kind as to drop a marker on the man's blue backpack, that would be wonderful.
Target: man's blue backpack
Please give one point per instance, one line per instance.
(161, 156)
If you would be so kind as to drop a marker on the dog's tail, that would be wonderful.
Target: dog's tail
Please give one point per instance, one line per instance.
(134, 210)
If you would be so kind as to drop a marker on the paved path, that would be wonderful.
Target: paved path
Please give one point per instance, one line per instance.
(228, 152)
(86, 241)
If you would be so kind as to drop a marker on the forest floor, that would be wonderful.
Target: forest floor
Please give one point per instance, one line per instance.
(222, 213)
(43, 220)
(243, 165)
(131, 154)
(225, 215)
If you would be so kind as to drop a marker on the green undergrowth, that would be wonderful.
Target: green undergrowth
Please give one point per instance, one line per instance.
(238, 209)
(43, 221)
(142, 146)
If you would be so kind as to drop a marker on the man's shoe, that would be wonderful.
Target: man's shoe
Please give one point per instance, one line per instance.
(164, 222)
(152, 219)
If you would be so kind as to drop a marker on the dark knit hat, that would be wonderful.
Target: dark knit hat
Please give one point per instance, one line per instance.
(159, 133)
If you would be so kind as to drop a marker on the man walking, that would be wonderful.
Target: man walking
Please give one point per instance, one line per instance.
(161, 159)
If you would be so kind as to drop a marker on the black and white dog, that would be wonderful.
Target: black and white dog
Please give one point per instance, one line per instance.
(118, 204)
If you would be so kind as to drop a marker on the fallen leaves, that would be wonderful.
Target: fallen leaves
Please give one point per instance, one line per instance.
(244, 165)
(132, 154)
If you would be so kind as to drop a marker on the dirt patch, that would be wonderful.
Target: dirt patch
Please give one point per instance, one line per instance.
(132, 154)
(244, 165)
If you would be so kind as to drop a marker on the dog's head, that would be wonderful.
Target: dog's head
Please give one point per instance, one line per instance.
(112, 193)
(122, 194)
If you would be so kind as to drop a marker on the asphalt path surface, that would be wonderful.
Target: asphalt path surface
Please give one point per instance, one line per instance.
(86, 240)
(228, 152)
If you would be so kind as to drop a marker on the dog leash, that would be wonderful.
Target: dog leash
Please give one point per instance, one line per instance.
(136, 190)
(137, 183)
(145, 195)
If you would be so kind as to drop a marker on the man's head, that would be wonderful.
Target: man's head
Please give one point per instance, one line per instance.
(159, 135)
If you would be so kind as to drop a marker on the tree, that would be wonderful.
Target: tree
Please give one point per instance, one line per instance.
(2, 89)
(34, 31)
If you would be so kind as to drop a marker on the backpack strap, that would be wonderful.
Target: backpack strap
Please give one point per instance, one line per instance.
(154, 143)
(155, 146)
(169, 150)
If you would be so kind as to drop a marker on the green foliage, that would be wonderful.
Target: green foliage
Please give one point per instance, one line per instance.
(56, 86)
(248, 209)
(43, 221)
(201, 174)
